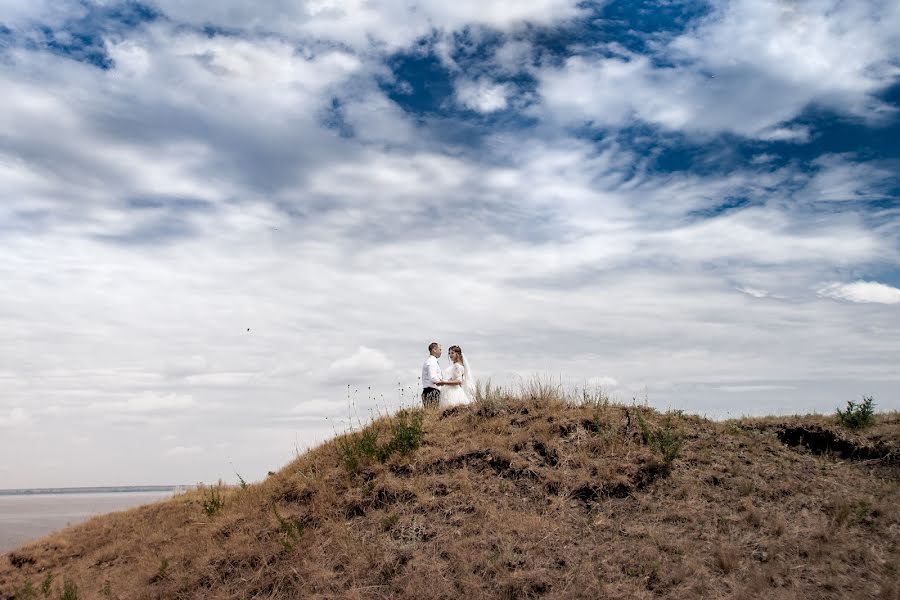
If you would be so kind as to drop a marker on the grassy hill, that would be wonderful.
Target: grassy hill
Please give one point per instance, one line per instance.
(526, 497)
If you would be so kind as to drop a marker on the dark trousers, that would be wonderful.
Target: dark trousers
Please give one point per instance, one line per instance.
(431, 397)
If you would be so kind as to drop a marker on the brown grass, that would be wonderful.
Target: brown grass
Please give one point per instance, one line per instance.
(514, 497)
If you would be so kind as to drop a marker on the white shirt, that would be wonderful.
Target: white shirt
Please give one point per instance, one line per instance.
(431, 373)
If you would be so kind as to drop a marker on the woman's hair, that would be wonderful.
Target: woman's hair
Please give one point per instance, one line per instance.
(456, 349)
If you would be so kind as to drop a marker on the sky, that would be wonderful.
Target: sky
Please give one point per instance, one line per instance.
(228, 229)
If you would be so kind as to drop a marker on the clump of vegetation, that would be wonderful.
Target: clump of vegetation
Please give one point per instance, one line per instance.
(163, 571)
(291, 529)
(662, 440)
(489, 401)
(26, 592)
(69, 591)
(592, 398)
(212, 501)
(241, 481)
(857, 415)
(46, 584)
(401, 434)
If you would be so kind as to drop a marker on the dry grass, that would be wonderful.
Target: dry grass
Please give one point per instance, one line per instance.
(517, 496)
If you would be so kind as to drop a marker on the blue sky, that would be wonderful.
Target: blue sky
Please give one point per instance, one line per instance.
(227, 227)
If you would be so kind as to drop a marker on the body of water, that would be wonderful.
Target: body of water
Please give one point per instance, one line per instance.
(26, 515)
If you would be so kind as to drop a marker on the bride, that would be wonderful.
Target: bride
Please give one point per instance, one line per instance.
(459, 382)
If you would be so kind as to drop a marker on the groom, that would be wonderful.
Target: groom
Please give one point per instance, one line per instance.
(431, 377)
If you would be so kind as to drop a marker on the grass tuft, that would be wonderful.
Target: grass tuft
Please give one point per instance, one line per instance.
(212, 501)
(69, 591)
(26, 592)
(46, 585)
(489, 401)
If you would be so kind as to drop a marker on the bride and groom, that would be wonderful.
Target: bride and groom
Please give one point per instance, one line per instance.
(455, 385)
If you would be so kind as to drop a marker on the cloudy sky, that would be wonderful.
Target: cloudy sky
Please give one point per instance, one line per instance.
(225, 227)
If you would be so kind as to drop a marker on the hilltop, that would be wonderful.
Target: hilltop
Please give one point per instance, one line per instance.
(515, 497)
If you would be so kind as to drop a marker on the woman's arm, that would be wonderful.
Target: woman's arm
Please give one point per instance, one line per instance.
(453, 382)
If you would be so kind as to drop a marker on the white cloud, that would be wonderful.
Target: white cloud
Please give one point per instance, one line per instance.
(184, 451)
(604, 382)
(862, 291)
(753, 388)
(357, 367)
(482, 95)
(840, 178)
(756, 293)
(360, 24)
(786, 134)
(16, 417)
(147, 402)
(747, 68)
(189, 365)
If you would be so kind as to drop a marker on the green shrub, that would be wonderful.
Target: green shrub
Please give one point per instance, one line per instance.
(407, 432)
(212, 501)
(663, 440)
(401, 434)
(857, 415)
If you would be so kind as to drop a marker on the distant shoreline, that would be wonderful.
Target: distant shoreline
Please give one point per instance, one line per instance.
(94, 490)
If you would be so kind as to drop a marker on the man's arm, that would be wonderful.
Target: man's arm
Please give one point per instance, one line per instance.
(434, 374)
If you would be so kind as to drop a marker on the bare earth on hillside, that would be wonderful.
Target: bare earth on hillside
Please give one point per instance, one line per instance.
(516, 498)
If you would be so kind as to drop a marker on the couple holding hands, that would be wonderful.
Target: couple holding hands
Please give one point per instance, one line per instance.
(449, 387)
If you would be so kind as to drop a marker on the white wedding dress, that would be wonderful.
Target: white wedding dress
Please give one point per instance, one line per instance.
(452, 395)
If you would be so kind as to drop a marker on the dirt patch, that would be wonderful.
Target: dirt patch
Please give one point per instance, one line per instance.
(819, 440)
(20, 560)
(638, 481)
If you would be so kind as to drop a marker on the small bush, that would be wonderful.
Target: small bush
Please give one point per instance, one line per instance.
(857, 415)
(663, 440)
(212, 501)
(403, 432)
(407, 432)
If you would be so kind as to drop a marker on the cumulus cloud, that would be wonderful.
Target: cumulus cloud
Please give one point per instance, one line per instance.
(604, 382)
(482, 95)
(359, 24)
(862, 291)
(357, 367)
